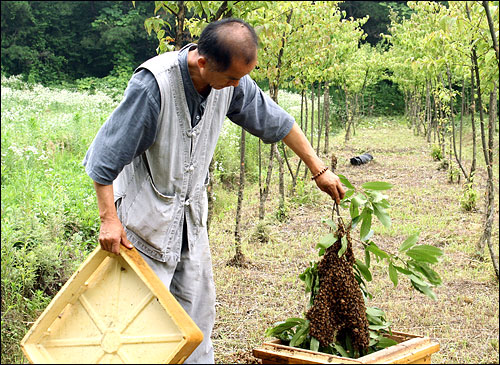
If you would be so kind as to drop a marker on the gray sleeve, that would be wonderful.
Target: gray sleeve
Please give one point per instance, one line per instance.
(128, 132)
(257, 113)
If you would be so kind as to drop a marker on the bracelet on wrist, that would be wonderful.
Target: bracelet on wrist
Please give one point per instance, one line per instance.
(319, 173)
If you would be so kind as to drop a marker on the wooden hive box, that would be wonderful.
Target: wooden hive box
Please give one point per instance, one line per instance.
(113, 309)
(411, 349)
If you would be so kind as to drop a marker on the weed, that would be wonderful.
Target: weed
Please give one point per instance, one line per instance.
(436, 152)
(305, 193)
(453, 174)
(469, 196)
(261, 233)
(281, 212)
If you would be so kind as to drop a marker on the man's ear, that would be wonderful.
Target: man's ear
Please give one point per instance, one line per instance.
(202, 62)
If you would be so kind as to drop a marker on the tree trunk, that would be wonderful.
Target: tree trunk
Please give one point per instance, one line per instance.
(294, 176)
(286, 160)
(320, 125)
(473, 125)
(428, 113)
(281, 208)
(418, 107)
(179, 31)
(490, 211)
(453, 141)
(410, 112)
(273, 91)
(462, 111)
(326, 115)
(264, 190)
(312, 114)
(239, 259)
(305, 129)
(488, 158)
(302, 109)
(492, 31)
(407, 96)
(355, 113)
(348, 117)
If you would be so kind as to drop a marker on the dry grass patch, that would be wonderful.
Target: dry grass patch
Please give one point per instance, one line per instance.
(464, 318)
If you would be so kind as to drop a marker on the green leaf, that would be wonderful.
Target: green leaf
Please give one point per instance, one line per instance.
(367, 258)
(385, 342)
(348, 194)
(366, 224)
(409, 242)
(283, 326)
(363, 269)
(314, 346)
(355, 221)
(348, 345)
(300, 335)
(343, 247)
(148, 26)
(378, 197)
(372, 247)
(377, 327)
(377, 185)
(330, 222)
(429, 274)
(353, 209)
(375, 312)
(373, 320)
(369, 235)
(341, 350)
(372, 342)
(426, 253)
(382, 215)
(417, 280)
(403, 271)
(326, 241)
(158, 6)
(346, 182)
(425, 289)
(393, 274)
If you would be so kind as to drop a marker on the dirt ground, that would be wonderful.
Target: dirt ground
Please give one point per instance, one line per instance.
(464, 318)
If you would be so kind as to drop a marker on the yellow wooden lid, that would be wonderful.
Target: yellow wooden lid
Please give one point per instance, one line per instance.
(113, 309)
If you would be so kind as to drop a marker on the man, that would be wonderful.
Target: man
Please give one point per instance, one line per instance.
(149, 161)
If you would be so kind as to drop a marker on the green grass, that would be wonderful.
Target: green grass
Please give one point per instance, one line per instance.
(50, 223)
(49, 210)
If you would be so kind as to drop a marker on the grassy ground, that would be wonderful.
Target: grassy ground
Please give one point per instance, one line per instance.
(50, 222)
(464, 319)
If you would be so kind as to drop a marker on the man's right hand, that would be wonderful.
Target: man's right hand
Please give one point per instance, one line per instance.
(112, 235)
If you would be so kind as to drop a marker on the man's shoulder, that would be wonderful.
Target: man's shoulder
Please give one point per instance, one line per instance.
(160, 62)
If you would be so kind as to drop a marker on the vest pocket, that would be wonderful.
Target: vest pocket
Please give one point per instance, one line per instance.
(150, 215)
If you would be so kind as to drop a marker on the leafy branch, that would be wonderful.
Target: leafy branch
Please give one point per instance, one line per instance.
(412, 260)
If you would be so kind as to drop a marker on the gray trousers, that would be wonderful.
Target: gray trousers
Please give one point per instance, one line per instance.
(191, 282)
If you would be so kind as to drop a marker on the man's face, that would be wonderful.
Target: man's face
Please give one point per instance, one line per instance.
(230, 77)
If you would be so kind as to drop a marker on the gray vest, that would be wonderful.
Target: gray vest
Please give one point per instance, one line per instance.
(167, 184)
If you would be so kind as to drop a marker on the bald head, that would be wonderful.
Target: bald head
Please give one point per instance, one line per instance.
(225, 40)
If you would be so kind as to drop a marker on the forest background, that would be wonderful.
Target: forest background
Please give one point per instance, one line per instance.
(409, 97)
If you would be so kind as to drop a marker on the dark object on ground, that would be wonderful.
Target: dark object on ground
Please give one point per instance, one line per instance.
(362, 159)
(339, 308)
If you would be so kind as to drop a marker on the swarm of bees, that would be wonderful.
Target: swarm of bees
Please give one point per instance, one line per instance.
(339, 307)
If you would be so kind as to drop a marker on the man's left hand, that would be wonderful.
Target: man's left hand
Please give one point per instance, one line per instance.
(330, 184)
